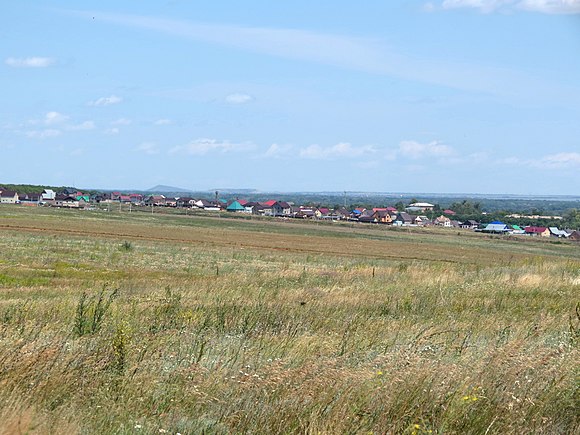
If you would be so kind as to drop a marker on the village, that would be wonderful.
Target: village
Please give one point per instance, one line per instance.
(416, 214)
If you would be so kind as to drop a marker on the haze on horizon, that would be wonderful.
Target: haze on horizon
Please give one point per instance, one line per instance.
(406, 96)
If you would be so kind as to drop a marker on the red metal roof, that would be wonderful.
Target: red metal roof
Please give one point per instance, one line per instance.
(535, 229)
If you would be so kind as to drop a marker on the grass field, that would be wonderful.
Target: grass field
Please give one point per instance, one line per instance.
(141, 323)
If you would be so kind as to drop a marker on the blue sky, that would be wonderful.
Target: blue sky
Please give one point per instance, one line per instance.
(457, 96)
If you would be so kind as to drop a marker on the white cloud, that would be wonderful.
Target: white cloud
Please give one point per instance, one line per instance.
(238, 98)
(370, 55)
(551, 6)
(87, 125)
(416, 150)
(112, 131)
(29, 62)
(277, 151)
(121, 121)
(148, 148)
(105, 101)
(204, 146)
(488, 6)
(550, 161)
(342, 149)
(43, 134)
(485, 6)
(560, 160)
(52, 118)
(163, 122)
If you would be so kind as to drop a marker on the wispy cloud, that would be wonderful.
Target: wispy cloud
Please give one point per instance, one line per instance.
(340, 150)
(550, 161)
(148, 148)
(238, 98)
(163, 121)
(278, 151)
(52, 118)
(112, 131)
(105, 101)
(416, 150)
(369, 55)
(551, 6)
(43, 134)
(30, 62)
(121, 121)
(488, 6)
(86, 125)
(205, 146)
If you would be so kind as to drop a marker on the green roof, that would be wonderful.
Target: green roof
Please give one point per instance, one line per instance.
(235, 206)
(516, 227)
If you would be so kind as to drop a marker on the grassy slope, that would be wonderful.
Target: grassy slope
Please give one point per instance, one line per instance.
(231, 325)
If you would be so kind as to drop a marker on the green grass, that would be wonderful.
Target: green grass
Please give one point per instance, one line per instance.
(217, 329)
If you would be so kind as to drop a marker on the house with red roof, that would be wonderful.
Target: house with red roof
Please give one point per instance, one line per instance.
(537, 231)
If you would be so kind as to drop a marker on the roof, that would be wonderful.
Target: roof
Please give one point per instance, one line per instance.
(270, 203)
(558, 232)
(8, 194)
(496, 227)
(421, 204)
(535, 230)
(235, 206)
(451, 212)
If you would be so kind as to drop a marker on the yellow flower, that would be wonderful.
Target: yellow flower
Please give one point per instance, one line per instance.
(379, 373)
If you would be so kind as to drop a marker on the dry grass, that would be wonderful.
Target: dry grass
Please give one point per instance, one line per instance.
(223, 326)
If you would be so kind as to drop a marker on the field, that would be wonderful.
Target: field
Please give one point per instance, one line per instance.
(148, 323)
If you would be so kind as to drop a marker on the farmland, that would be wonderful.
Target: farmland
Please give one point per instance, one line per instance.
(141, 323)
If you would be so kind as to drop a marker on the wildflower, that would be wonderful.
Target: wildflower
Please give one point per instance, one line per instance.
(138, 426)
(379, 373)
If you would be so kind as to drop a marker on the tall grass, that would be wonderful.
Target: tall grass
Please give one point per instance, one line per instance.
(284, 341)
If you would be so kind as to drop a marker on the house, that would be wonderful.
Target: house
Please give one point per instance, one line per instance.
(31, 199)
(443, 221)
(47, 195)
(281, 208)
(342, 213)
(136, 198)
(420, 206)
(155, 200)
(423, 221)
(470, 224)
(449, 212)
(516, 229)
(236, 207)
(537, 231)
(9, 197)
(185, 201)
(383, 216)
(496, 227)
(556, 232)
(575, 236)
(404, 218)
(124, 199)
(65, 200)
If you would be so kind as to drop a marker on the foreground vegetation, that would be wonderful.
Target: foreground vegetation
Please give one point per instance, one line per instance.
(115, 323)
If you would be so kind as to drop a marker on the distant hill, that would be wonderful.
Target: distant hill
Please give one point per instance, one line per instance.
(162, 189)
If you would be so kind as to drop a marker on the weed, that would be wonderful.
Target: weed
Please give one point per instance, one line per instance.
(91, 312)
(126, 246)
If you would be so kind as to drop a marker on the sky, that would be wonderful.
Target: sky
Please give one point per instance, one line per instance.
(453, 96)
